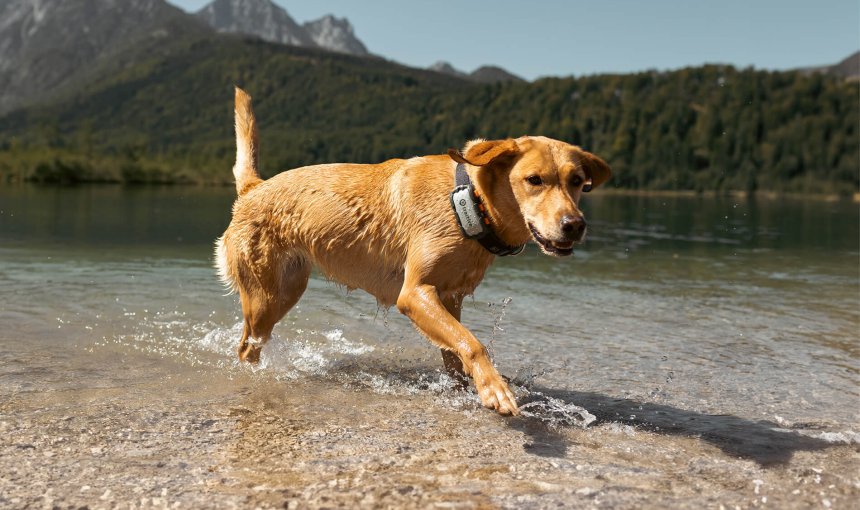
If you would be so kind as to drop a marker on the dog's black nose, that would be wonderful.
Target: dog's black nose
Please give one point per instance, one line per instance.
(573, 226)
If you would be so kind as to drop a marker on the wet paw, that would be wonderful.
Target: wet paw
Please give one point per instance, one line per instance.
(250, 353)
(495, 394)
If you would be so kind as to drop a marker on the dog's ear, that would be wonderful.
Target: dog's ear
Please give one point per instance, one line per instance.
(483, 153)
(595, 168)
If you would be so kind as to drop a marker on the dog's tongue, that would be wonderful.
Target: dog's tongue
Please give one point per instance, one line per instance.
(563, 246)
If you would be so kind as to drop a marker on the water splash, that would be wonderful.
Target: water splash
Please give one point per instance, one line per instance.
(221, 340)
(553, 411)
(305, 354)
(549, 410)
(294, 353)
(497, 322)
(497, 325)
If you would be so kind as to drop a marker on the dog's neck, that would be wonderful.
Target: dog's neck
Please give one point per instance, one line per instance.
(508, 226)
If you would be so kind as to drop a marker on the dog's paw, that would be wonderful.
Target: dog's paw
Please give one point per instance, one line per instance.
(250, 353)
(495, 394)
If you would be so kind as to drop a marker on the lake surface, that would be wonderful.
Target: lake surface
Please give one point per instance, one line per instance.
(724, 327)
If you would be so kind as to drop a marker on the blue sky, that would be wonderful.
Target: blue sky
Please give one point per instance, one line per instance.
(576, 37)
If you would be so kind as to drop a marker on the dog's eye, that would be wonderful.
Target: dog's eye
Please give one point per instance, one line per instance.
(534, 180)
(576, 181)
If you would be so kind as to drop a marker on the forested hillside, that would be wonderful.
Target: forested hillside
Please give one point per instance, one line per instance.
(167, 118)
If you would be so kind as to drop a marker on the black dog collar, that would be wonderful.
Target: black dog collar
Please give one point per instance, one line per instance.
(472, 216)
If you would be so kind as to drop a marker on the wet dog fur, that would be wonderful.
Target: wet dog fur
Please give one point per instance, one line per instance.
(388, 229)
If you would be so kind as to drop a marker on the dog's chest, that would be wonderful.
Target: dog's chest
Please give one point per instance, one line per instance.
(378, 272)
(467, 282)
(382, 272)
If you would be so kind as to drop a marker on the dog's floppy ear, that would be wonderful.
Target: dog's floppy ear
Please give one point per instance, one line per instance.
(483, 153)
(595, 168)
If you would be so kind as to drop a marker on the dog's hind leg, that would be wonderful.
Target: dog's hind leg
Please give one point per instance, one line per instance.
(263, 306)
(453, 365)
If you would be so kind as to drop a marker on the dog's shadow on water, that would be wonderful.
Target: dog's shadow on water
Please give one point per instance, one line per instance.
(761, 441)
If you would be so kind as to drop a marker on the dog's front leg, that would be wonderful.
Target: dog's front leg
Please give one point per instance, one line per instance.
(452, 362)
(421, 303)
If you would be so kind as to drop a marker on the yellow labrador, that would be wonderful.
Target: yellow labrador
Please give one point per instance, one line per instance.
(417, 233)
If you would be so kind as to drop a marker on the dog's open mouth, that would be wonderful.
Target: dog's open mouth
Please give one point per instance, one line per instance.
(562, 249)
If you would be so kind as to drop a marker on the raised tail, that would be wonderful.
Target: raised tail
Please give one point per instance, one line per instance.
(245, 169)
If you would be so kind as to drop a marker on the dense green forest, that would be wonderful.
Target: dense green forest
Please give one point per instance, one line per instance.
(168, 118)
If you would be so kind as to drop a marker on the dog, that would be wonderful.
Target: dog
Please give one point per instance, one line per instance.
(402, 231)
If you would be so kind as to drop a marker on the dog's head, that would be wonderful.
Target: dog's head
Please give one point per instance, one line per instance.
(534, 184)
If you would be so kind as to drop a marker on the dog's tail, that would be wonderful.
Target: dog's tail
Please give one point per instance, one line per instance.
(245, 169)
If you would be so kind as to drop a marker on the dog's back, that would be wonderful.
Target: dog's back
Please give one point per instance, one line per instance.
(354, 222)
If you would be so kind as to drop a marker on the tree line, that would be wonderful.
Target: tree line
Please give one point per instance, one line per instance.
(168, 119)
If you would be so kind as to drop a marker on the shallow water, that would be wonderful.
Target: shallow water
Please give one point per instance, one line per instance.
(706, 331)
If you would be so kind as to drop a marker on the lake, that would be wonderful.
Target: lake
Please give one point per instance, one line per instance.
(694, 351)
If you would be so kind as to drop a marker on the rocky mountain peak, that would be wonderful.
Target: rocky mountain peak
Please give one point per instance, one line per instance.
(261, 18)
(335, 34)
(269, 21)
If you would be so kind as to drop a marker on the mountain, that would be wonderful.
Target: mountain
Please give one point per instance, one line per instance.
(335, 34)
(270, 22)
(483, 74)
(492, 74)
(261, 18)
(446, 68)
(48, 44)
(848, 68)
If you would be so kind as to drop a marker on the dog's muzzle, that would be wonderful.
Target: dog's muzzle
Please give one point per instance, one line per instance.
(559, 248)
